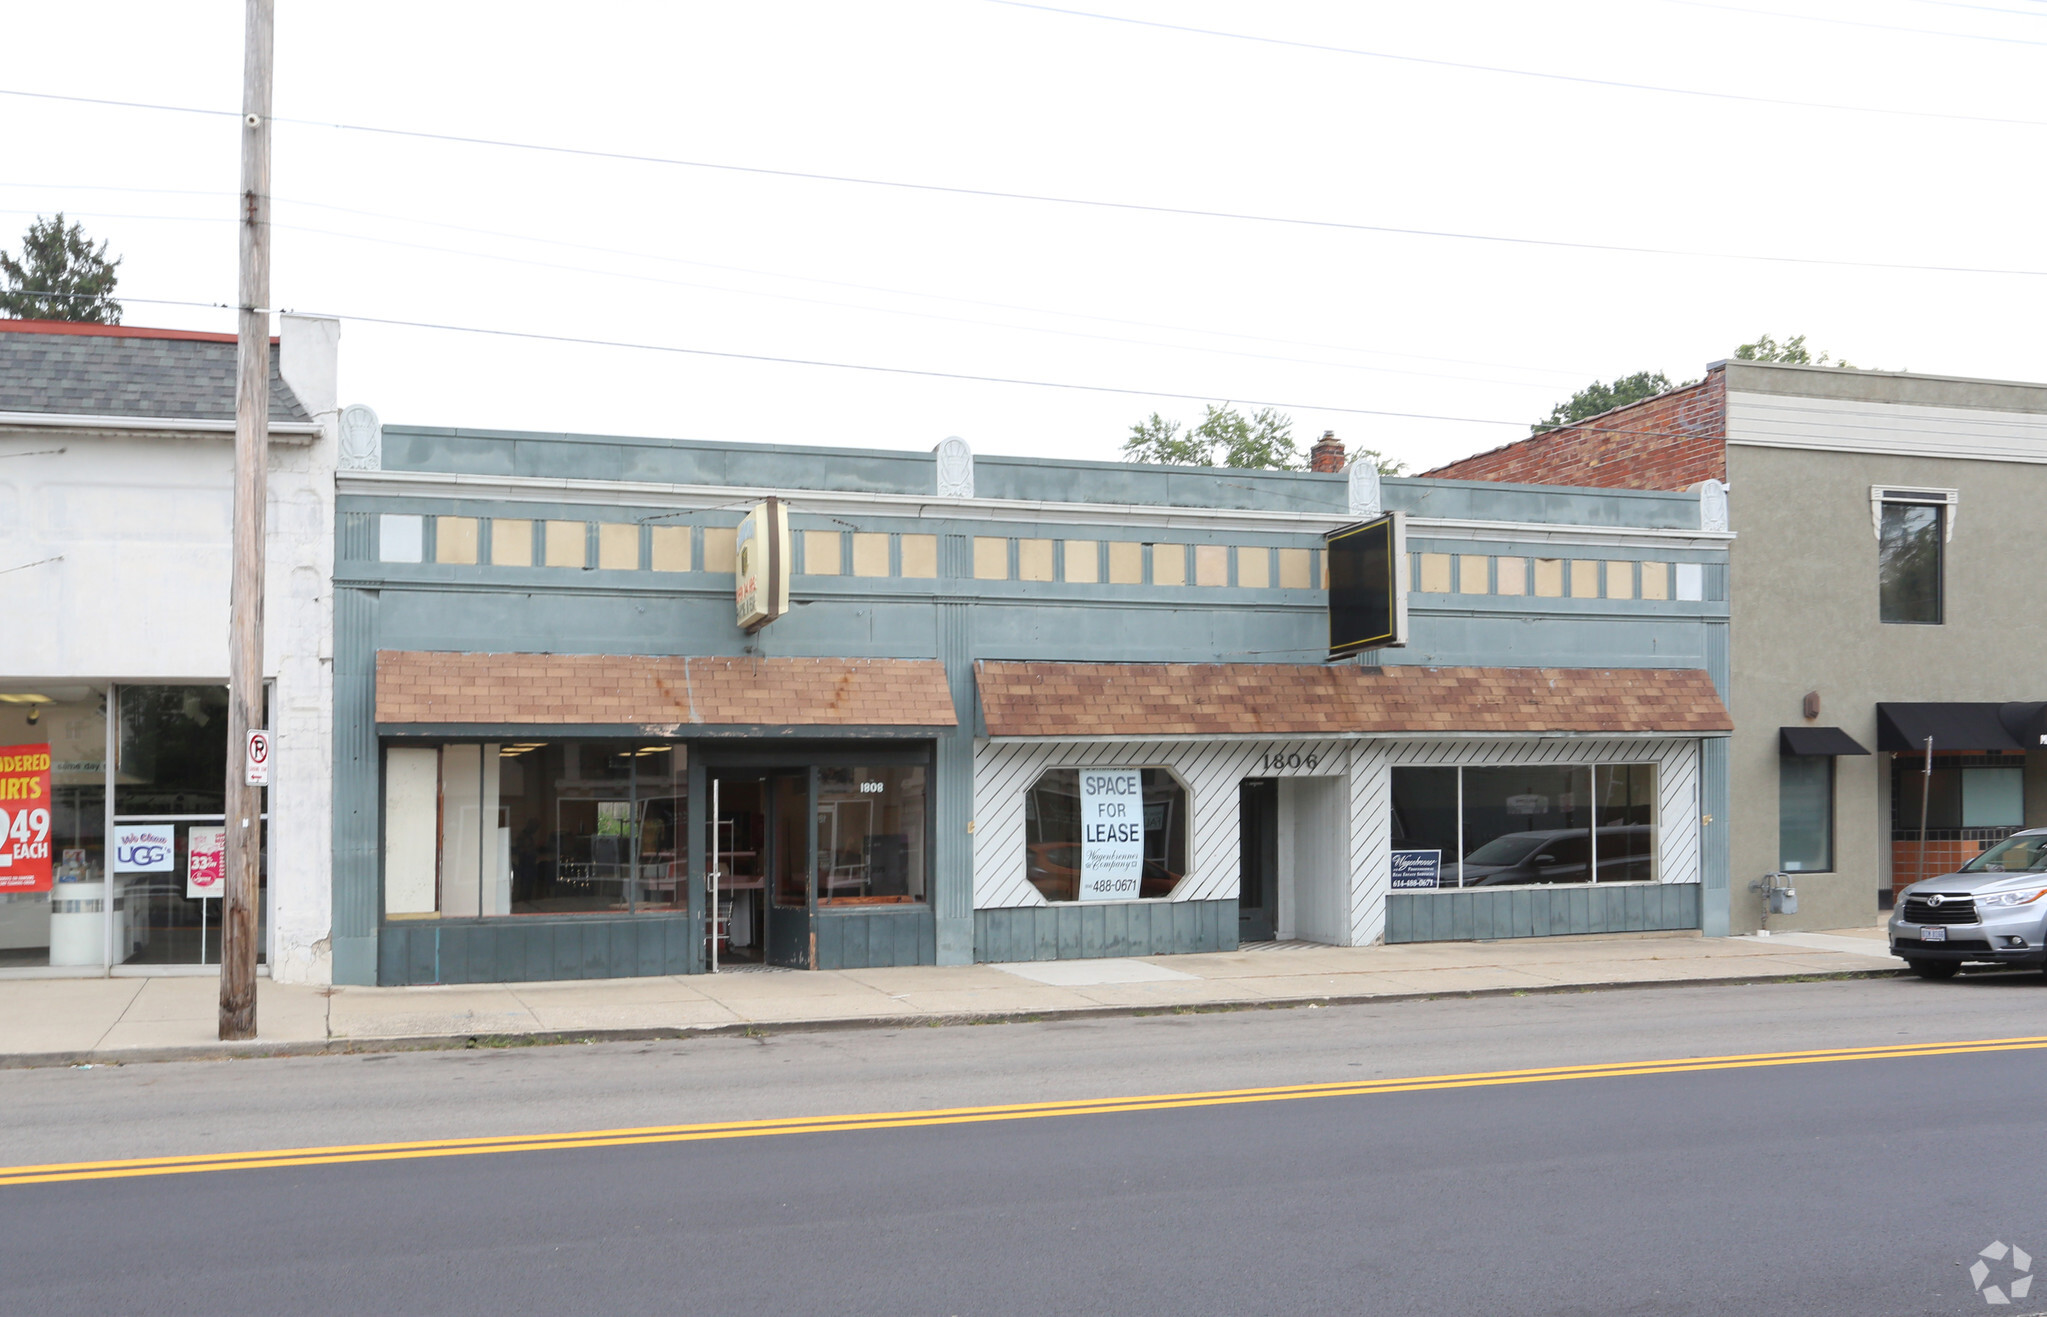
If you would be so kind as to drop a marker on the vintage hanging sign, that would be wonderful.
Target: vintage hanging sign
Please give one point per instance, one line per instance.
(762, 561)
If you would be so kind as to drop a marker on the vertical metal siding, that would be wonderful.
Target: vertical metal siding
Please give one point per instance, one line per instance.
(1541, 912)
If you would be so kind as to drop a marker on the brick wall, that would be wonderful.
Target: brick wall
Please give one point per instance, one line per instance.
(1912, 860)
(1671, 441)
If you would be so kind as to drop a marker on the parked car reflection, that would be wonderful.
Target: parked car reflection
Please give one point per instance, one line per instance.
(1562, 855)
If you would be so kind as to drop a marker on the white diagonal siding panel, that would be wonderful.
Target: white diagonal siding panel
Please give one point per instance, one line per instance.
(1677, 776)
(1004, 771)
(1210, 770)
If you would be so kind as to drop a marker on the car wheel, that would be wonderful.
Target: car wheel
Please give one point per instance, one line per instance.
(1933, 969)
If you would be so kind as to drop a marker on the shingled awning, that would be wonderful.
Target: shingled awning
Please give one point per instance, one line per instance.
(1300, 699)
(655, 695)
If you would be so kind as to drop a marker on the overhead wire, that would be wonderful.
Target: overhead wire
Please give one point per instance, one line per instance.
(641, 277)
(667, 259)
(1509, 71)
(765, 358)
(1135, 207)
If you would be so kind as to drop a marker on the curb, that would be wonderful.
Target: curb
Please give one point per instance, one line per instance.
(260, 1050)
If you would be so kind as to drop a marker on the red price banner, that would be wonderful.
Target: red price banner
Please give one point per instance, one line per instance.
(24, 818)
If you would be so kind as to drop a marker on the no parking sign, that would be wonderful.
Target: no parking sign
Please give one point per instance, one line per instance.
(259, 758)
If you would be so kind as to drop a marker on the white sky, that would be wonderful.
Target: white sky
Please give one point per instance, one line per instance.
(978, 94)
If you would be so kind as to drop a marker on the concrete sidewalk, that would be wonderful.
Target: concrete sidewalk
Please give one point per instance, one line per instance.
(72, 1021)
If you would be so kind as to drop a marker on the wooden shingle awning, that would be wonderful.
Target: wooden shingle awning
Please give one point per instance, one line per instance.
(659, 695)
(1074, 700)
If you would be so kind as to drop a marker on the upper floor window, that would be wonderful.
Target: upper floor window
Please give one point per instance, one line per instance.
(1912, 530)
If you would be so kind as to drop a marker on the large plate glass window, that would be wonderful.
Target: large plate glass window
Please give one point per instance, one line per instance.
(534, 827)
(170, 778)
(870, 835)
(1530, 825)
(54, 914)
(1059, 817)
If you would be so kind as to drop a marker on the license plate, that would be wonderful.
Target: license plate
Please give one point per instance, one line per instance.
(1933, 935)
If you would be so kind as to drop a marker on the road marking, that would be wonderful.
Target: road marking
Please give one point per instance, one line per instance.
(751, 1129)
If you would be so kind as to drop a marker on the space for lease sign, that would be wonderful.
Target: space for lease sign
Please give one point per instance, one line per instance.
(25, 818)
(1111, 833)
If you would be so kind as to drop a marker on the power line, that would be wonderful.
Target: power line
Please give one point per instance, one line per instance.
(919, 315)
(1524, 73)
(1136, 207)
(816, 301)
(899, 370)
(770, 274)
(1231, 399)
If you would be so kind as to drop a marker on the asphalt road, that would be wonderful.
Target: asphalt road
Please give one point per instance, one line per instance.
(1852, 1187)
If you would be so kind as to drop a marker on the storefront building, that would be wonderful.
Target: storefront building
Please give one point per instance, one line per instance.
(559, 755)
(115, 518)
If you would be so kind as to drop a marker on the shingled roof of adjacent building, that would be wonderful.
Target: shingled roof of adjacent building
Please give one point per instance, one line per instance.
(656, 693)
(56, 367)
(1301, 699)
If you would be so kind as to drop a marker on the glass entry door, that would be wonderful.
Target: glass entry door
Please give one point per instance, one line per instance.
(765, 865)
(739, 858)
(792, 864)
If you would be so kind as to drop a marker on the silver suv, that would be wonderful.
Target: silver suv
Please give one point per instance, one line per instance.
(1990, 912)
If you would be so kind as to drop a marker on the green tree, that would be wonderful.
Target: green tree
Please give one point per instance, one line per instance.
(60, 276)
(1792, 352)
(1598, 397)
(1226, 437)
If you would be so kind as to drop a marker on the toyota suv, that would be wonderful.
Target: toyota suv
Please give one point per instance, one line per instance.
(1989, 912)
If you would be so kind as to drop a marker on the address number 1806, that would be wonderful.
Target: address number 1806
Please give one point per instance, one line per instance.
(1289, 760)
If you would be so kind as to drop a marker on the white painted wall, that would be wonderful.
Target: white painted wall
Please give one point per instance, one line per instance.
(1314, 879)
(130, 531)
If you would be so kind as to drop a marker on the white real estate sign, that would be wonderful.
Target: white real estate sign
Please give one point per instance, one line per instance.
(1111, 833)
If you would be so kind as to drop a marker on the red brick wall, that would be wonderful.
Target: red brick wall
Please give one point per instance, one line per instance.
(1671, 441)
(1911, 860)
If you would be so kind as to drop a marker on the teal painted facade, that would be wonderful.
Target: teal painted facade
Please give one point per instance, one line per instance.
(1245, 530)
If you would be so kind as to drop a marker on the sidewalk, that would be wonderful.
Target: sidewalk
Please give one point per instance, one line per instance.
(73, 1021)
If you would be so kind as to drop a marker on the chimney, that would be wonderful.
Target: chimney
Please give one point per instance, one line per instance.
(1327, 454)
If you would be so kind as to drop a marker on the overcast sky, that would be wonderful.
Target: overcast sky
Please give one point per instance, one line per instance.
(1332, 323)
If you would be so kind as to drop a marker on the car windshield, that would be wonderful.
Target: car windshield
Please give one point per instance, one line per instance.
(1506, 850)
(2025, 853)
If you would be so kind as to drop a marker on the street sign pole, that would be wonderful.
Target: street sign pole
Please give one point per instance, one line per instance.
(244, 850)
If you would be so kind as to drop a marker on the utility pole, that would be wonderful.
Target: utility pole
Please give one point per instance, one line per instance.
(245, 597)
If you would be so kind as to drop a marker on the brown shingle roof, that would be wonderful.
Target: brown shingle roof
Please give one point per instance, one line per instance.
(636, 690)
(1301, 699)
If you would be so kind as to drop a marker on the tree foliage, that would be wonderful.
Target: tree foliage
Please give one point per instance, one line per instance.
(1225, 437)
(1792, 352)
(1598, 397)
(60, 275)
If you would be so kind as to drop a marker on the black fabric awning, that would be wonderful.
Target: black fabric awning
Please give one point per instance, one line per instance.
(1817, 741)
(1958, 728)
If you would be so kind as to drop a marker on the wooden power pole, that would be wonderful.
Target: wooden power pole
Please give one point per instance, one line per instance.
(244, 858)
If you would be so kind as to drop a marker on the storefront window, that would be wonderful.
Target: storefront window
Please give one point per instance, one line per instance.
(53, 901)
(1105, 833)
(170, 781)
(534, 827)
(1533, 825)
(870, 835)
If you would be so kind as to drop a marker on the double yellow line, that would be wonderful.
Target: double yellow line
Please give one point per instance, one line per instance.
(752, 1129)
